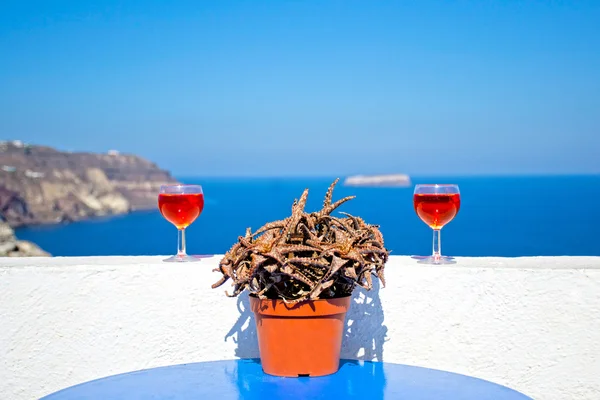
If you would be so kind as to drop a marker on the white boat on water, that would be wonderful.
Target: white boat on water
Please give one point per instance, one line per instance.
(397, 180)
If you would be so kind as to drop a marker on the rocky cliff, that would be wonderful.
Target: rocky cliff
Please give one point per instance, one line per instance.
(11, 247)
(40, 184)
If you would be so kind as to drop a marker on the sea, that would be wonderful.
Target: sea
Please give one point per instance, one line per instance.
(499, 216)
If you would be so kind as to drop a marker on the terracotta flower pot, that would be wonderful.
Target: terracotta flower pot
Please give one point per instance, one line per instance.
(303, 339)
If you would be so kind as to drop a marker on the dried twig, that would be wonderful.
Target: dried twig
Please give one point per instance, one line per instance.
(306, 256)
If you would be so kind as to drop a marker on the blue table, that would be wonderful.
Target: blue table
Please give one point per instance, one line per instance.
(244, 379)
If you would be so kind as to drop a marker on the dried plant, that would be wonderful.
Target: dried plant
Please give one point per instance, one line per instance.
(306, 256)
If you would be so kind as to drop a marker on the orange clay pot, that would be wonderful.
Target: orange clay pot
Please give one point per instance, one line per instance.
(303, 339)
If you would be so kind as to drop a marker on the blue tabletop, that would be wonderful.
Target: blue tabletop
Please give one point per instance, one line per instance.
(244, 379)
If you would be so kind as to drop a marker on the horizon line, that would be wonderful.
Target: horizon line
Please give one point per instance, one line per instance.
(411, 176)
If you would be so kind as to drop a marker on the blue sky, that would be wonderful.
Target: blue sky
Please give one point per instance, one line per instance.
(309, 87)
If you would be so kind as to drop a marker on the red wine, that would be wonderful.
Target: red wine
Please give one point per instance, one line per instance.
(436, 210)
(181, 209)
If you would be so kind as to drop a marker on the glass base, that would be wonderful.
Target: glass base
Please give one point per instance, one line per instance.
(434, 260)
(186, 258)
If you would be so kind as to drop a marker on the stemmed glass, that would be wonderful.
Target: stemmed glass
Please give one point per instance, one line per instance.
(181, 205)
(436, 205)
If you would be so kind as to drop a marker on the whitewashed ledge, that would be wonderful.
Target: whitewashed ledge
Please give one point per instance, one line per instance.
(532, 324)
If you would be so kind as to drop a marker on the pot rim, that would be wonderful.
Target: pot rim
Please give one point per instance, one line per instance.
(305, 308)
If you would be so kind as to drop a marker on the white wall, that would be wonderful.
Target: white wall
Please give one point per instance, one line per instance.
(532, 324)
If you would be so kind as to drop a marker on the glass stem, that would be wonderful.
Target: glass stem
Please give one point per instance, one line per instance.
(437, 243)
(181, 242)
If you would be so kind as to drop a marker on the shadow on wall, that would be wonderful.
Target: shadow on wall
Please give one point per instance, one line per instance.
(365, 331)
(364, 334)
(243, 332)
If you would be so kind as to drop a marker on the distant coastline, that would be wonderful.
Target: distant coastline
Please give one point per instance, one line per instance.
(42, 185)
(39, 184)
(386, 180)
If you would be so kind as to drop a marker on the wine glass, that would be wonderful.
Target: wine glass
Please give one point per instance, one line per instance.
(436, 205)
(181, 205)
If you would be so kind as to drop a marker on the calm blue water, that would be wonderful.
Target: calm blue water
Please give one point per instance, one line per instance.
(499, 216)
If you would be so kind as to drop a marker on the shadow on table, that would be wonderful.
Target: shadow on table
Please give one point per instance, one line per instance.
(364, 333)
(356, 380)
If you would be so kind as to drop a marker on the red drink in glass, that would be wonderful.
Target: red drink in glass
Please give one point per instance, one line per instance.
(436, 210)
(181, 209)
(181, 205)
(436, 205)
